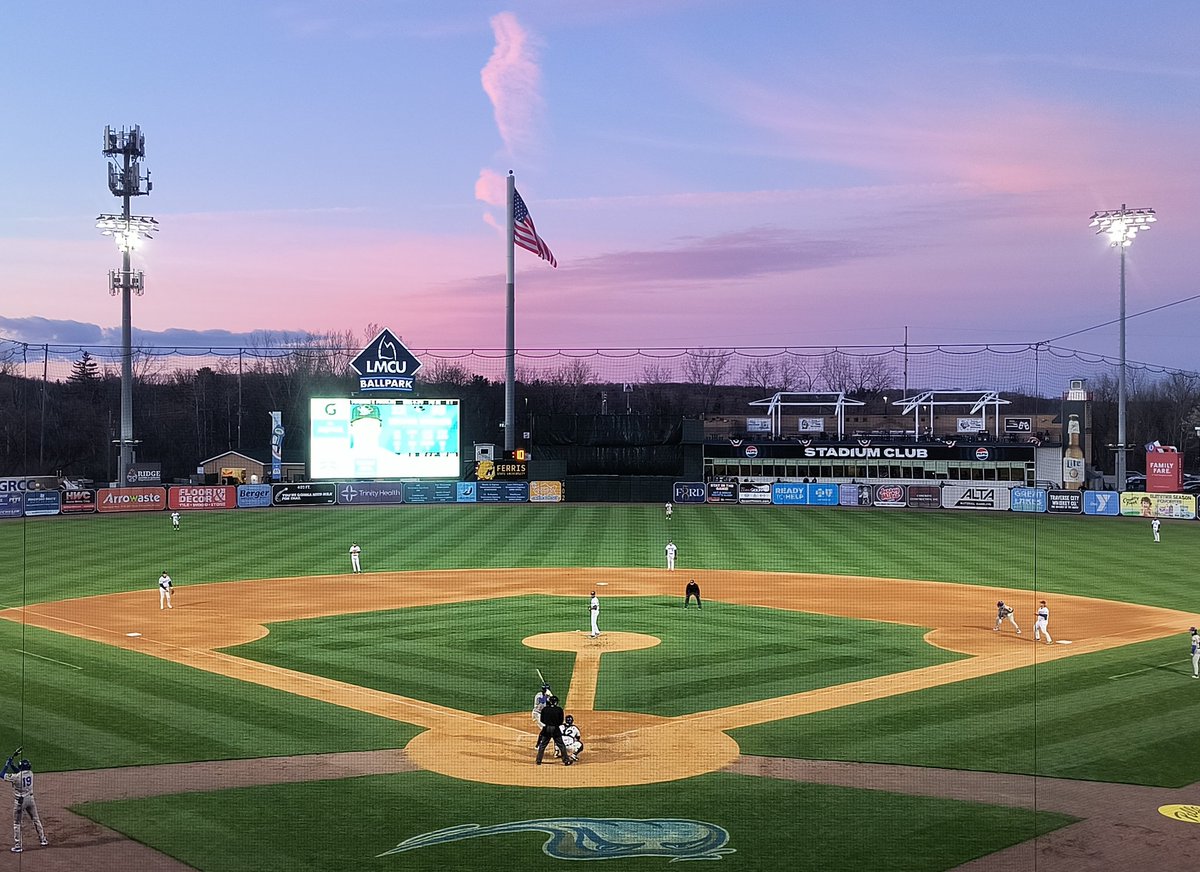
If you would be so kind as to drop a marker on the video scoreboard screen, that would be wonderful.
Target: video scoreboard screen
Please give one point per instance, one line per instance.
(384, 438)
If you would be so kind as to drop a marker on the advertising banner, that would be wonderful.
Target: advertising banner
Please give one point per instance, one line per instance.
(1020, 426)
(924, 496)
(1064, 502)
(989, 497)
(795, 493)
(277, 434)
(502, 491)
(78, 501)
(323, 493)
(143, 473)
(1164, 472)
(1101, 503)
(971, 425)
(432, 491)
(855, 495)
(11, 504)
(369, 493)
(811, 425)
(466, 493)
(754, 492)
(496, 470)
(722, 492)
(1158, 505)
(131, 499)
(253, 496)
(203, 496)
(758, 425)
(42, 503)
(545, 492)
(688, 492)
(22, 483)
(891, 495)
(1028, 499)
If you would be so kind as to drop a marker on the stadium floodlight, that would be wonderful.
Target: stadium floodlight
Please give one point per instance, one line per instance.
(127, 232)
(1122, 226)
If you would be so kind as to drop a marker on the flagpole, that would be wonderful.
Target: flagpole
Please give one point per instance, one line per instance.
(510, 352)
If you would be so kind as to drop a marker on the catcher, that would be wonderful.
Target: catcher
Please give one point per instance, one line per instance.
(1002, 612)
(571, 739)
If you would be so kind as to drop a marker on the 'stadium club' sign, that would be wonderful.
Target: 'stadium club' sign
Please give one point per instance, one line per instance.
(891, 452)
(385, 364)
(131, 499)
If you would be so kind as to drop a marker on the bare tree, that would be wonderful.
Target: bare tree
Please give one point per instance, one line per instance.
(443, 371)
(762, 373)
(657, 373)
(706, 367)
(836, 372)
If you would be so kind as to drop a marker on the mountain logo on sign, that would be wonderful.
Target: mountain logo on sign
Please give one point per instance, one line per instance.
(385, 364)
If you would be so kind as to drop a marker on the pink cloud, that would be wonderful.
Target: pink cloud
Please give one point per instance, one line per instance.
(512, 80)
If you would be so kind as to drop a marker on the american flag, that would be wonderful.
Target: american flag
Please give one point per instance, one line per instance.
(525, 234)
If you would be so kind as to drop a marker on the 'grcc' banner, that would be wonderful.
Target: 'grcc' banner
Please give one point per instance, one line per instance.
(42, 503)
(989, 497)
(369, 493)
(1101, 503)
(1065, 502)
(1028, 499)
(304, 494)
(688, 492)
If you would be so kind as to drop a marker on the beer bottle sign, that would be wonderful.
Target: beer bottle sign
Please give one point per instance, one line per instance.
(1073, 466)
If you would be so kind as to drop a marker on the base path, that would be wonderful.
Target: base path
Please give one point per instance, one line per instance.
(621, 747)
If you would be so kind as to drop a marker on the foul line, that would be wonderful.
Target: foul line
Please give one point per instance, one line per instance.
(1145, 669)
(50, 659)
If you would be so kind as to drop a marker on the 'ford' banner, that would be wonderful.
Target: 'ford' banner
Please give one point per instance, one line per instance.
(42, 503)
(688, 492)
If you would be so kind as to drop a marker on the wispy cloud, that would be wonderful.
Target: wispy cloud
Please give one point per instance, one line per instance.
(79, 334)
(512, 80)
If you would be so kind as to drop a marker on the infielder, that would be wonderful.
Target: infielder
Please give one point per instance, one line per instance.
(1154, 525)
(669, 508)
(1002, 612)
(21, 777)
(164, 591)
(175, 520)
(595, 611)
(1042, 624)
(671, 552)
(355, 551)
(1195, 653)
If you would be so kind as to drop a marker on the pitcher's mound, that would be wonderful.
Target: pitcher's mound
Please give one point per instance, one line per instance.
(582, 641)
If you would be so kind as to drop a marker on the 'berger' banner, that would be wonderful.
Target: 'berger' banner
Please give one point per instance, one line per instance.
(131, 499)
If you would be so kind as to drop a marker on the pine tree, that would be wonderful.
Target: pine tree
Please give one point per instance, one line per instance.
(84, 372)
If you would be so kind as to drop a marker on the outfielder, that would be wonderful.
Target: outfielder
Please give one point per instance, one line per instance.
(175, 520)
(1002, 612)
(21, 777)
(671, 552)
(355, 551)
(669, 508)
(1042, 624)
(164, 591)
(1154, 525)
(1195, 653)
(595, 611)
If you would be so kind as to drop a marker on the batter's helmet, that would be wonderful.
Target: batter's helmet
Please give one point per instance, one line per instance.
(25, 765)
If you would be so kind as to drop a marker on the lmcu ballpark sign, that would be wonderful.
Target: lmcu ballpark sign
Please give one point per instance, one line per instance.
(385, 364)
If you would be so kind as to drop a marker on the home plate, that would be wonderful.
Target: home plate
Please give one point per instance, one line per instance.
(133, 634)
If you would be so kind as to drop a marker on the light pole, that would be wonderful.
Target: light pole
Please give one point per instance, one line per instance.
(125, 180)
(1121, 226)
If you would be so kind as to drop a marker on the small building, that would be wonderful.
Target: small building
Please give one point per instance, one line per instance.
(250, 466)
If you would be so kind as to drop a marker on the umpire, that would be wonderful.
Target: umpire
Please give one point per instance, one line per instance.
(552, 721)
(692, 590)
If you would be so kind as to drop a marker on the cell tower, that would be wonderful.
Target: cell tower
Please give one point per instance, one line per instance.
(126, 181)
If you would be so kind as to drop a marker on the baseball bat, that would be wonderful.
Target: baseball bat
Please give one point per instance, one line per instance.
(541, 678)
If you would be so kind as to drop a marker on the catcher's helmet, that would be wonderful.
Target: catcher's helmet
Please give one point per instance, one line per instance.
(1000, 603)
(25, 765)
(570, 719)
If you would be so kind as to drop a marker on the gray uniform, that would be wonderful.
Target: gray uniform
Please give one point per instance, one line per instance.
(1005, 611)
(23, 803)
(1195, 653)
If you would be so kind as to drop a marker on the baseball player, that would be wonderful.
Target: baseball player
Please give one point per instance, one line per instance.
(552, 720)
(669, 508)
(164, 591)
(355, 551)
(1195, 653)
(539, 703)
(21, 776)
(1042, 624)
(1003, 611)
(175, 520)
(671, 550)
(595, 612)
(572, 741)
(1154, 525)
(692, 590)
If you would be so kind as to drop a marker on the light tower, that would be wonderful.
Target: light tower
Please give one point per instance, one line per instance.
(1122, 226)
(125, 180)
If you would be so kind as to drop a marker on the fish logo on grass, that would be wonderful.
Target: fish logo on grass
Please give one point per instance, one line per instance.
(597, 838)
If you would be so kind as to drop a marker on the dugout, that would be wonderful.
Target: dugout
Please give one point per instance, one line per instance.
(616, 458)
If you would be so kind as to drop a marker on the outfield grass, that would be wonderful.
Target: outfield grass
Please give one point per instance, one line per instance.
(723, 655)
(342, 826)
(122, 708)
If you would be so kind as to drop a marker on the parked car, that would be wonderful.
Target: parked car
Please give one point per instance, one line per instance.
(1135, 482)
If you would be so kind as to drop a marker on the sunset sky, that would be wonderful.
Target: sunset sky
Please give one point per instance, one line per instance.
(717, 174)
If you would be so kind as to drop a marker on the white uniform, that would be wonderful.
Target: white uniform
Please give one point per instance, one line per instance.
(164, 592)
(1042, 625)
(572, 739)
(355, 551)
(671, 552)
(23, 803)
(669, 508)
(1154, 525)
(595, 610)
(1195, 654)
(175, 520)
